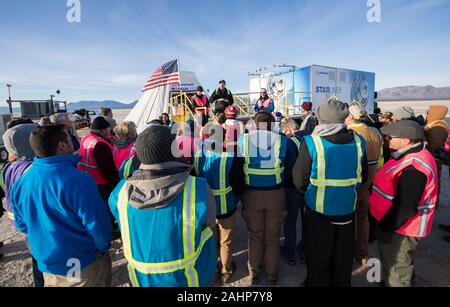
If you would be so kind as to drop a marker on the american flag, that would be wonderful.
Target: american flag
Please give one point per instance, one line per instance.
(165, 75)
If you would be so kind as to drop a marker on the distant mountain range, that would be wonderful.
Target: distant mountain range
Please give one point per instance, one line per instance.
(414, 93)
(388, 94)
(96, 105)
(91, 105)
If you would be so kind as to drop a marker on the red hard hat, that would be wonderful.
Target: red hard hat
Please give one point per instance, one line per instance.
(231, 112)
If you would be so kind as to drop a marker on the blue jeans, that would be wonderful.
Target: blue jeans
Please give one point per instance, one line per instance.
(294, 202)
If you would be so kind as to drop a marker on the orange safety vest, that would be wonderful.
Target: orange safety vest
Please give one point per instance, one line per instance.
(200, 103)
(384, 192)
(88, 163)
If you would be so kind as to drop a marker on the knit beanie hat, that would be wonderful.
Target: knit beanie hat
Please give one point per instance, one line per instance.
(100, 123)
(307, 106)
(332, 112)
(154, 145)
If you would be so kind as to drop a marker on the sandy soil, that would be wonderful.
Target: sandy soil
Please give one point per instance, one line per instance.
(432, 258)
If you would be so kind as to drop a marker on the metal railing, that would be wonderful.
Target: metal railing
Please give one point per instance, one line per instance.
(282, 104)
(182, 102)
(243, 103)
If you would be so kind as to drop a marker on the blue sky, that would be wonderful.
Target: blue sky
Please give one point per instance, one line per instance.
(120, 43)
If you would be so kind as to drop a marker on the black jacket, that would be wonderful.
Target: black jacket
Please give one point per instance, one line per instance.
(219, 94)
(411, 186)
(303, 166)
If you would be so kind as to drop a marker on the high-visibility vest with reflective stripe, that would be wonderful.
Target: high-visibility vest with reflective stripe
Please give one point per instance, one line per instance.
(296, 141)
(127, 169)
(264, 153)
(336, 173)
(169, 246)
(233, 130)
(216, 168)
(122, 154)
(12, 171)
(384, 192)
(264, 103)
(437, 123)
(88, 163)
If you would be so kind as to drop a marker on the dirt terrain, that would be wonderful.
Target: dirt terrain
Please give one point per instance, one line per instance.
(432, 258)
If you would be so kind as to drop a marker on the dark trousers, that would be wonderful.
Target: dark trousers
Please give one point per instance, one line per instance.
(105, 191)
(294, 203)
(37, 275)
(329, 250)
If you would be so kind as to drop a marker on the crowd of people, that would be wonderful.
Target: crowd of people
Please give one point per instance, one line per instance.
(172, 194)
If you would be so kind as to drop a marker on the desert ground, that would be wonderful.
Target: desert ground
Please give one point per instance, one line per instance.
(432, 258)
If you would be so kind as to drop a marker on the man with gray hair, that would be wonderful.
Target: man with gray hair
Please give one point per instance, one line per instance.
(331, 166)
(63, 119)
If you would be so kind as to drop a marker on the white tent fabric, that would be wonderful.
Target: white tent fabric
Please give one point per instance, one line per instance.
(156, 101)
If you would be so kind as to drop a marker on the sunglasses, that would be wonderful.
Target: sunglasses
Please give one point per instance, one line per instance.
(388, 137)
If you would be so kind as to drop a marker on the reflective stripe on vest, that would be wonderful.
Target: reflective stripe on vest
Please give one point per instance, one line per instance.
(190, 254)
(321, 182)
(86, 164)
(223, 190)
(408, 161)
(132, 150)
(297, 142)
(277, 171)
(127, 168)
(199, 101)
(383, 194)
(230, 129)
(305, 122)
(265, 103)
(438, 123)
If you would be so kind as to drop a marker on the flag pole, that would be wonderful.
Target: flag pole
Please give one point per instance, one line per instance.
(183, 105)
(179, 72)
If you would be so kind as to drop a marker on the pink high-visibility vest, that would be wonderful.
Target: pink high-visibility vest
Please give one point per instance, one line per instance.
(122, 154)
(384, 192)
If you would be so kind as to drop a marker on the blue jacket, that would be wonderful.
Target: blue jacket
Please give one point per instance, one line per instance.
(61, 211)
